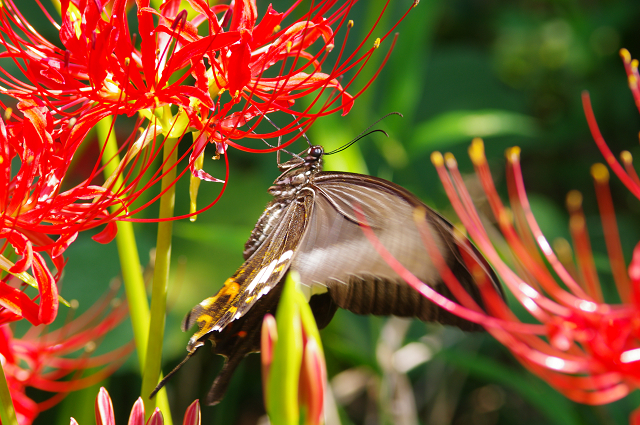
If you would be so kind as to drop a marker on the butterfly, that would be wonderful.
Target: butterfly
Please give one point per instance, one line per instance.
(311, 226)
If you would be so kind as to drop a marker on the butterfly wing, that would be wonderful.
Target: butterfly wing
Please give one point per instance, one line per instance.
(335, 253)
(231, 319)
(255, 277)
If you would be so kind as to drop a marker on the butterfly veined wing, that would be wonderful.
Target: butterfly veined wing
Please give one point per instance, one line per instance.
(255, 277)
(336, 254)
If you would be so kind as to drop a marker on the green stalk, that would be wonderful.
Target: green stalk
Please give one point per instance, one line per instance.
(127, 247)
(284, 374)
(130, 261)
(7, 412)
(161, 274)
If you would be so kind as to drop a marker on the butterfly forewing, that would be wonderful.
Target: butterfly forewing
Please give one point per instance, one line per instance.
(256, 277)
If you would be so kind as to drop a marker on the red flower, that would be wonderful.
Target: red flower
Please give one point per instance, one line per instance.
(105, 416)
(586, 347)
(263, 64)
(37, 216)
(38, 360)
(583, 346)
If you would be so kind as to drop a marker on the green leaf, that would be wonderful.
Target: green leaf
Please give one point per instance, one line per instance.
(459, 126)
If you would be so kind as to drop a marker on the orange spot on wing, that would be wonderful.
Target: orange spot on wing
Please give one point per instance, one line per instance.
(231, 288)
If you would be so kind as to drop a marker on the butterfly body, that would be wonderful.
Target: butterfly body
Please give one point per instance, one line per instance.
(311, 226)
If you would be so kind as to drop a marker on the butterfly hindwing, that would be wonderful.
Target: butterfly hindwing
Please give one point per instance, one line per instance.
(335, 252)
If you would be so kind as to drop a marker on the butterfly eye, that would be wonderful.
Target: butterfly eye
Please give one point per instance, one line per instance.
(316, 151)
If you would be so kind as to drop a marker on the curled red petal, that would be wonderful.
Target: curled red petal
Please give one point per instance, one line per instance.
(48, 290)
(63, 243)
(239, 72)
(19, 304)
(25, 261)
(263, 32)
(107, 234)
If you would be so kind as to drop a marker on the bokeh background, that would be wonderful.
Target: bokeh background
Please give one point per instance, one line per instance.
(510, 71)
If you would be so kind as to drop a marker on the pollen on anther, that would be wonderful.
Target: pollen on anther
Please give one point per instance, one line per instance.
(513, 154)
(450, 160)
(600, 173)
(437, 159)
(625, 55)
(90, 347)
(574, 201)
(376, 43)
(476, 151)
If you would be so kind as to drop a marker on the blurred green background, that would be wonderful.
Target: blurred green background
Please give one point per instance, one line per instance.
(509, 71)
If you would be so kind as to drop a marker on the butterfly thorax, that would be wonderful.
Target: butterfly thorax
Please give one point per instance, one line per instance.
(297, 174)
(294, 180)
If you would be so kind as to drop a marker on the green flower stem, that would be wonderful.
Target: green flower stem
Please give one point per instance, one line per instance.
(153, 360)
(127, 247)
(306, 315)
(282, 403)
(7, 412)
(130, 261)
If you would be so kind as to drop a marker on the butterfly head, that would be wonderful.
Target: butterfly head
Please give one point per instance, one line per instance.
(297, 171)
(314, 155)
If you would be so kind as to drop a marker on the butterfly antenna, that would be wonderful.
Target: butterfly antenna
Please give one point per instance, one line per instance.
(279, 141)
(364, 134)
(361, 136)
(303, 133)
(170, 374)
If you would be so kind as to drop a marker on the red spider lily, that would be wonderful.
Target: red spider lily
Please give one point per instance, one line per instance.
(38, 360)
(223, 70)
(586, 347)
(263, 64)
(37, 216)
(105, 416)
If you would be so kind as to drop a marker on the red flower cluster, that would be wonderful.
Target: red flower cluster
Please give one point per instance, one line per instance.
(585, 346)
(188, 60)
(215, 71)
(55, 361)
(37, 216)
